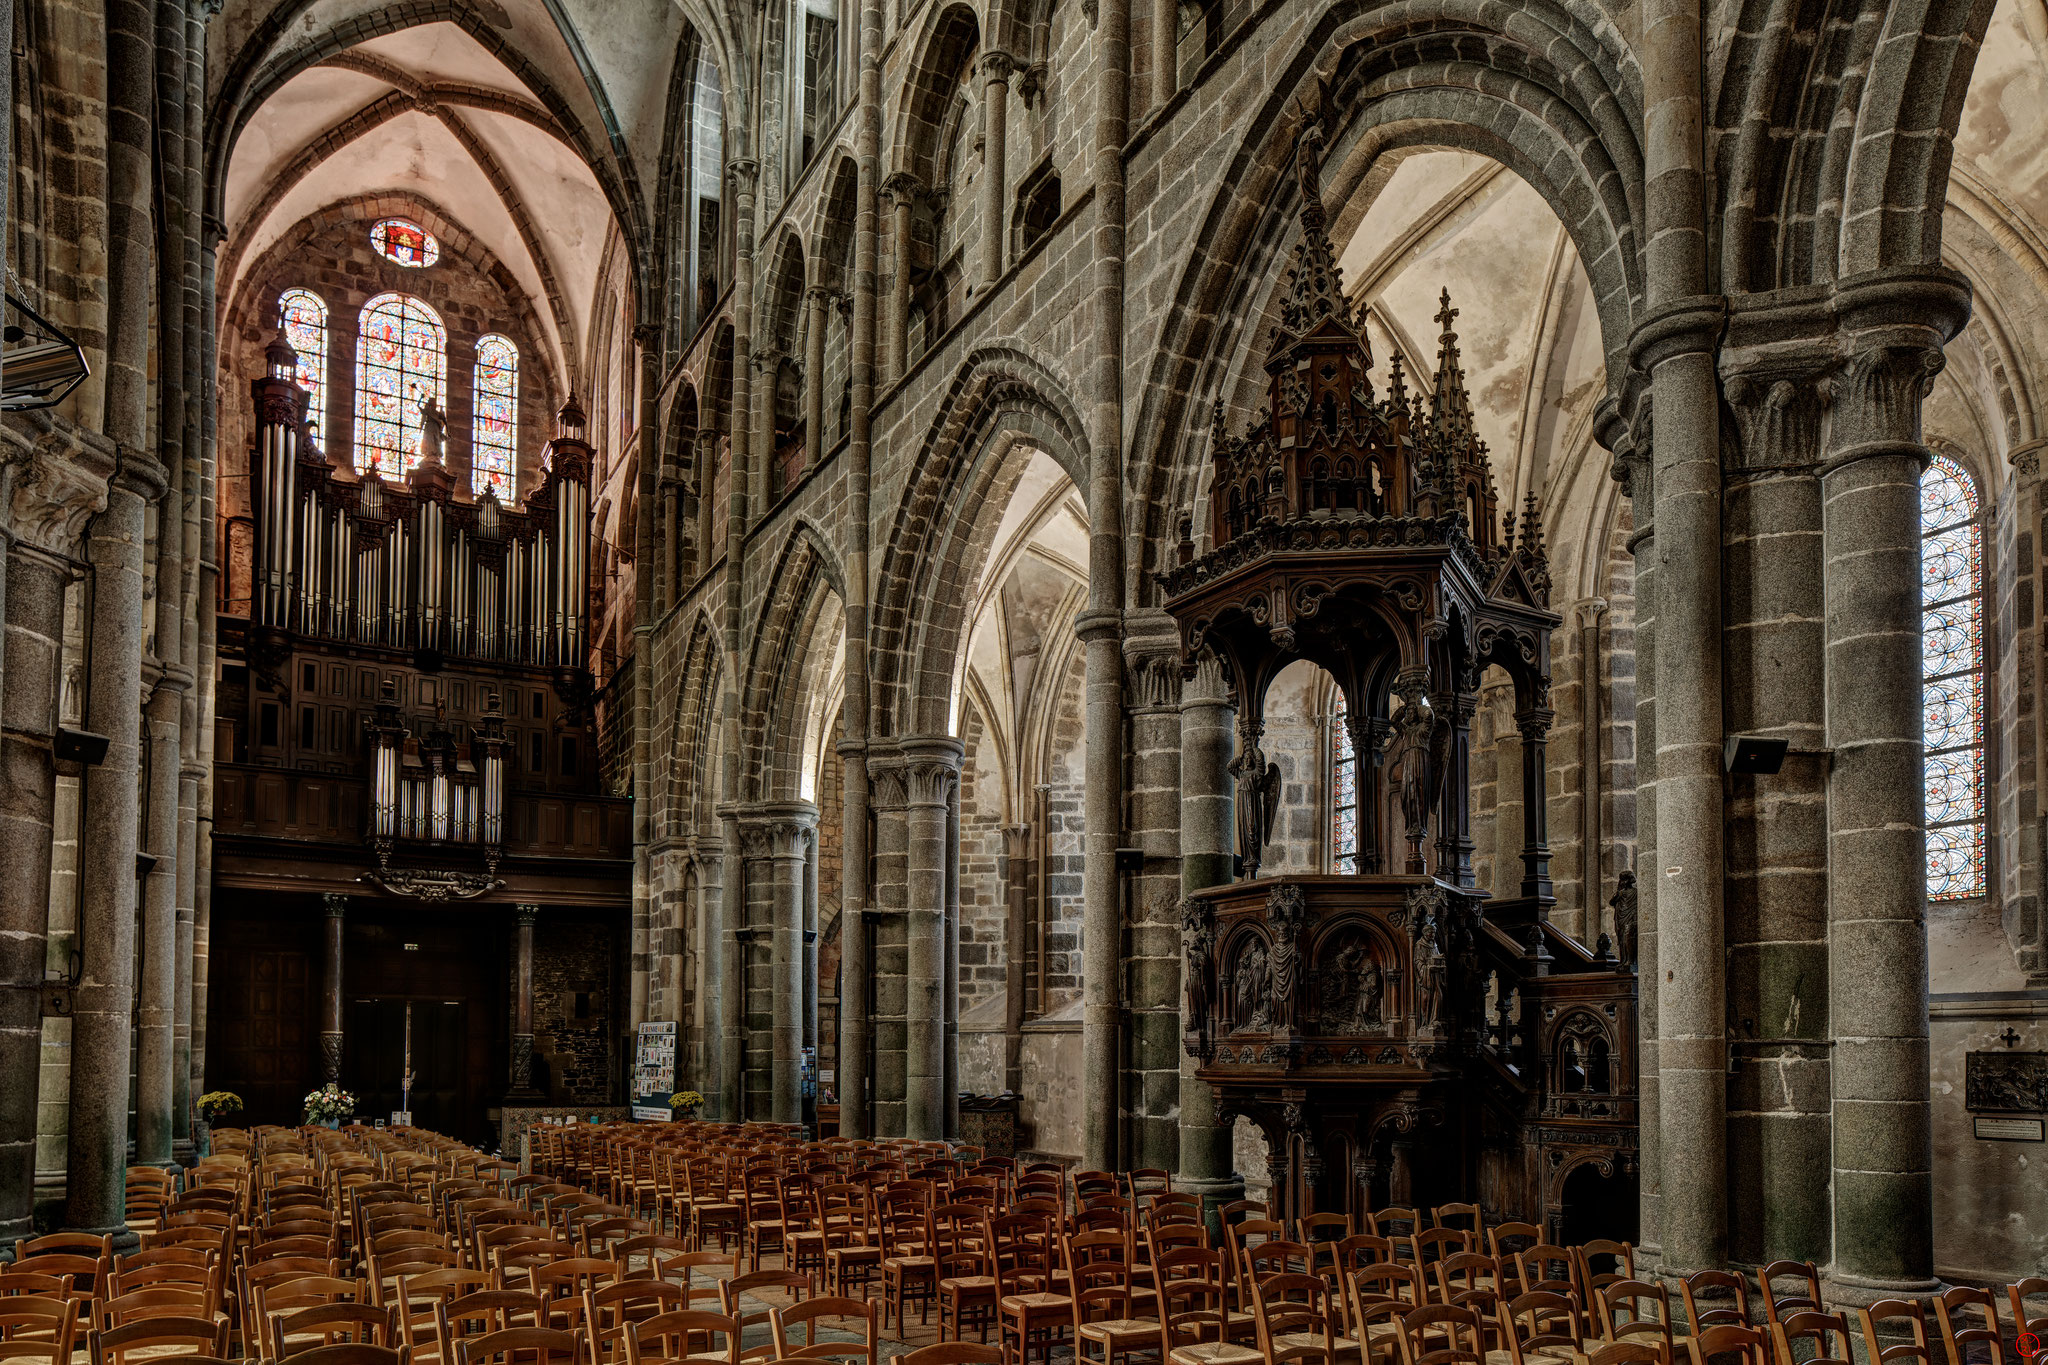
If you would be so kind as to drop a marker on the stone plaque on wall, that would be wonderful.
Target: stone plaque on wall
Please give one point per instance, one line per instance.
(2007, 1082)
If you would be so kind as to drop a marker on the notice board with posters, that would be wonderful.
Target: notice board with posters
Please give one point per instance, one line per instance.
(654, 1070)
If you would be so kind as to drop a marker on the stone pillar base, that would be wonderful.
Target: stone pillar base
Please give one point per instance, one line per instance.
(1214, 1192)
(1858, 1291)
(126, 1239)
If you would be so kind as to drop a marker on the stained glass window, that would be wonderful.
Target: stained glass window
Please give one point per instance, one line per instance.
(497, 416)
(304, 319)
(1343, 791)
(401, 359)
(1952, 671)
(404, 242)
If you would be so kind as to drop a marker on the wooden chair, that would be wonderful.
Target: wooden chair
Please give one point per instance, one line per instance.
(1433, 1244)
(1906, 1311)
(909, 1259)
(1103, 1313)
(733, 1290)
(2033, 1286)
(1953, 1309)
(1647, 1308)
(466, 1316)
(539, 1345)
(1469, 1280)
(157, 1301)
(330, 1324)
(1382, 1294)
(1640, 1351)
(808, 1315)
(562, 1285)
(1541, 1327)
(40, 1320)
(1827, 1333)
(1727, 1341)
(415, 1299)
(1465, 1216)
(1803, 1296)
(952, 1353)
(1715, 1298)
(966, 1292)
(155, 1338)
(1587, 1259)
(1458, 1327)
(608, 1308)
(351, 1353)
(1195, 1326)
(666, 1339)
(1297, 1318)
(1029, 1307)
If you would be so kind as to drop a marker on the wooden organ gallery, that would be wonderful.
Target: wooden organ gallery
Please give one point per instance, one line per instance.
(1400, 1038)
(417, 856)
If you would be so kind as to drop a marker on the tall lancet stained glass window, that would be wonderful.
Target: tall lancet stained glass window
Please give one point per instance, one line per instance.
(1952, 671)
(1343, 791)
(401, 359)
(497, 416)
(304, 319)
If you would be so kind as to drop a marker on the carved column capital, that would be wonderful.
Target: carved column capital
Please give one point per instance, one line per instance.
(335, 904)
(998, 66)
(525, 915)
(741, 170)
(1155, 681)
(2025, 458)
(903, 189)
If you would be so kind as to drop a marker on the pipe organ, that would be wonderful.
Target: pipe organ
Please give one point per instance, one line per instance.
(359, 559)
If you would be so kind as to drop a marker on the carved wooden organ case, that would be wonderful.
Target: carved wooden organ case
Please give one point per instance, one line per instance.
(1358, 528)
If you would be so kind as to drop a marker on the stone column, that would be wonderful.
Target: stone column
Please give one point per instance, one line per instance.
(817, 308)
(1592, 859)
(702, 965)
(523, 917)
(155, 1052)
(96, 1155)
(789, 838)
(767, 362)
(727, 993)
(1676, 347)
(31, 652)
(1017, 904)
(750, 995)
(331, 1004)
(1208, 837)
(950, 992)
(931, 768)
(1165, 51)
(1877, 893)
(995, 125)
(1777, 823)
(1533, 724)
(887, 956)
(903, 190)
(1155, 932)
(1632, 468)
(1100, 625)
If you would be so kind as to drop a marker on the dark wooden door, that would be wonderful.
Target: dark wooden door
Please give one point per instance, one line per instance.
(260, 1034)
(375, 1060)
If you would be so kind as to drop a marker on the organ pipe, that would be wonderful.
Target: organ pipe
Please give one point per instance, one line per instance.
(409, 563)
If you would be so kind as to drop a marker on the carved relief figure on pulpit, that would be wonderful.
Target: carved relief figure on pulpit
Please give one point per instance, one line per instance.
(1250, 988)
(1348, 988)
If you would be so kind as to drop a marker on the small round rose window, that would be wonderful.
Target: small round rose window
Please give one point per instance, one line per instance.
(407, 243)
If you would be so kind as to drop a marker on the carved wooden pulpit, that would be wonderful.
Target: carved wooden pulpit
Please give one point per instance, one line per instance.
(1357, 526)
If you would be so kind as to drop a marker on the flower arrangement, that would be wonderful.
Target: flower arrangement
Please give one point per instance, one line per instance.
(686, 1102)
(329, 1104)
(216, 1105)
